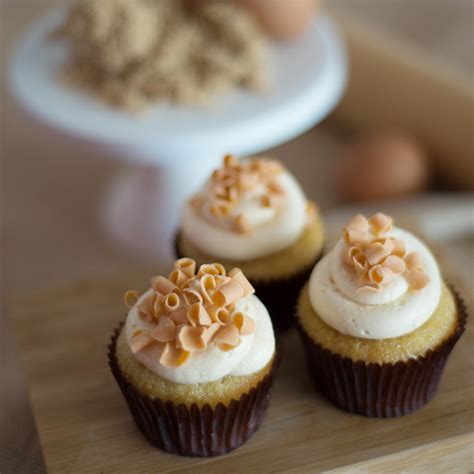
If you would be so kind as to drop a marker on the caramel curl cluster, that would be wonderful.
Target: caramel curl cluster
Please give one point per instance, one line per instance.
(376, 259)
(191, 309)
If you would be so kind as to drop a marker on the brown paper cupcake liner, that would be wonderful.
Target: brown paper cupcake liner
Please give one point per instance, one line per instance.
(279, 295)
(380, 390)
(193, 430)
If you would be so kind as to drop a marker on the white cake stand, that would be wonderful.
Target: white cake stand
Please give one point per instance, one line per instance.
(172, 149)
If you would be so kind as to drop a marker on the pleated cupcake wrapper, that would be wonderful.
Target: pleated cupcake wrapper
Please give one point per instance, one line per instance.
(279, 295)
(193, 430)
(380, 390)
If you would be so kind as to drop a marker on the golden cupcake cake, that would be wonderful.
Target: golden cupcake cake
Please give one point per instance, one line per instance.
(377, 320)
(253, 214)
(195, 359)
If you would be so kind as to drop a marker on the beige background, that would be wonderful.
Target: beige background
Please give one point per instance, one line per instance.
(50, 232)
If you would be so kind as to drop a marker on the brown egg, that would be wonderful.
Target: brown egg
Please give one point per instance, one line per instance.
(381, 165)
(282, 19)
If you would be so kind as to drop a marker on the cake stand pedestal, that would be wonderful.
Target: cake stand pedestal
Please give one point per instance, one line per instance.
(142, 204)
(172, 149)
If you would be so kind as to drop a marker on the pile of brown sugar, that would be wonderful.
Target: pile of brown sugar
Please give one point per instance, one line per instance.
(132, 53)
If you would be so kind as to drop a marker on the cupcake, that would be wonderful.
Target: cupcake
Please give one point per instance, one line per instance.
(377, 320)
(195, 359)
(253, 214)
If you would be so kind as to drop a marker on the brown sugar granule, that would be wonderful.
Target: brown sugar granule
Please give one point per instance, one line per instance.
(132, 53)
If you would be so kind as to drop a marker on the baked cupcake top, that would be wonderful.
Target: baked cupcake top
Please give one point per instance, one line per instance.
(247, 209)
(378, 282)
(199, 324)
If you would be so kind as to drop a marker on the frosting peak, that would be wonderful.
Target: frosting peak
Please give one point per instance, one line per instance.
(378, 282)
(235, 187)
(247, 209)
(375, 259)
(189, 310)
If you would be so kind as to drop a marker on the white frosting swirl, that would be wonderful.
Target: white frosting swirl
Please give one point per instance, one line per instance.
(272, 229)
(251, 355)
(392, 312)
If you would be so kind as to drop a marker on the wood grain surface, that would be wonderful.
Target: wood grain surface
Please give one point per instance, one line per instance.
(85, 426)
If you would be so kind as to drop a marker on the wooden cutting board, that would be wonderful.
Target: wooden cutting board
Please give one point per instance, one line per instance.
(85, 425)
